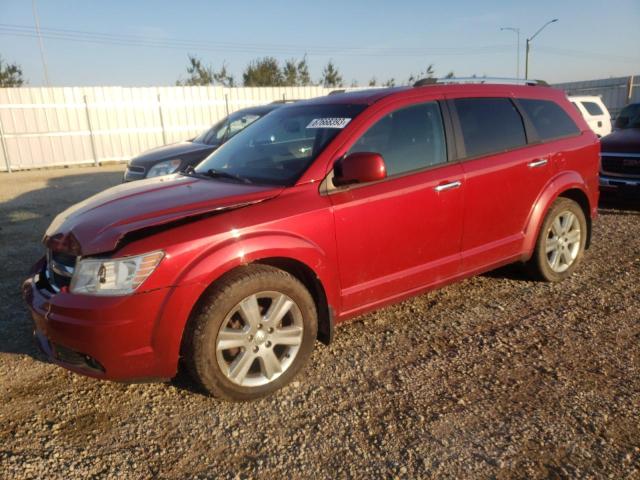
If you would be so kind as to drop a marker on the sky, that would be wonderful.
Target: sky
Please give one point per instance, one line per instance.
(144, 43)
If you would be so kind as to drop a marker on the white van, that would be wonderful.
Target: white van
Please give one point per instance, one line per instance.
(595, 113)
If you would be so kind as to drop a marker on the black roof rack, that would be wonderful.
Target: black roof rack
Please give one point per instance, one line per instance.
(492, 80)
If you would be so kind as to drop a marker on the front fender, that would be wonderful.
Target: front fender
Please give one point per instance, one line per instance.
(213, 264)
(559, 184)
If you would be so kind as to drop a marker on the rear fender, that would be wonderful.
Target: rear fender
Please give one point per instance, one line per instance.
(555, 188)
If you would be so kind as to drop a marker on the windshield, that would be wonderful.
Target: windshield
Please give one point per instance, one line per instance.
(279, 148)
(629, 117)
(226, 128)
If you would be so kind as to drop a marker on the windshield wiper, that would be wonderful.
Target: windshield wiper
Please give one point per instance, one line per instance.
(222, 174)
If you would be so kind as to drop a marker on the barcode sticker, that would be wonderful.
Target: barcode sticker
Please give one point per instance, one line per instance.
(329, 123)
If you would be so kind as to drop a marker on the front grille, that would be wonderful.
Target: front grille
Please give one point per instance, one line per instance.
(60, 267)
(621, 164)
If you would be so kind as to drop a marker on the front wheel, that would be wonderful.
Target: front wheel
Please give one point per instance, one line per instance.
(252, 333)
(561, 241)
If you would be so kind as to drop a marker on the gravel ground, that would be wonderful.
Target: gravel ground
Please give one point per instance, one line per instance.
(493, 377)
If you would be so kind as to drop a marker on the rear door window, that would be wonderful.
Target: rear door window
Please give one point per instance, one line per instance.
(489, 125)
(549, 119)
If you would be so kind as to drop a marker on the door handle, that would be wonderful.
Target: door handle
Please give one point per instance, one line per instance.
(448, 186)
(538, 163)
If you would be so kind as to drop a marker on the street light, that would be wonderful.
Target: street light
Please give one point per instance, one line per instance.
(526, 58)
(517, 31)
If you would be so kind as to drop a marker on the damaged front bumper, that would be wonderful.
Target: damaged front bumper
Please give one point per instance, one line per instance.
(102, 337)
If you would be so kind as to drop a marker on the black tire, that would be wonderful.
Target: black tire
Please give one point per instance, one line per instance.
(200, 349)
(540, 264)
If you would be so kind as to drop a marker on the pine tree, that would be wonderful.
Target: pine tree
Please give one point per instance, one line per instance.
(10, 75)
(331, 76)
(263, 72)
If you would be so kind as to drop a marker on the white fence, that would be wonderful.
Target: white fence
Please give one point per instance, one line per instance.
(43, 127)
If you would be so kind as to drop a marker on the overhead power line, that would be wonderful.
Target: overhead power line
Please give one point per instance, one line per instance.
(585, 54)
(130, 40)
(183, 44)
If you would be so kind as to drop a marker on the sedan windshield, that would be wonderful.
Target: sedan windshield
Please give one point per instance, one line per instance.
(629, 117)
(279, 148)
(226, 128)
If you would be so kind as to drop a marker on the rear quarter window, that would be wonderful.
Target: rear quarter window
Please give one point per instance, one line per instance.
(549, 119)
(593, 108)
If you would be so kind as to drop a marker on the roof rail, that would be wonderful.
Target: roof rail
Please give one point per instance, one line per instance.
(512, 81)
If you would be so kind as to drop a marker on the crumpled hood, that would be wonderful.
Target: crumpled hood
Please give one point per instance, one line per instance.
(97, 224)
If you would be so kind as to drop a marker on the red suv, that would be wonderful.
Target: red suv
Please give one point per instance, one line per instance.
(322, 211)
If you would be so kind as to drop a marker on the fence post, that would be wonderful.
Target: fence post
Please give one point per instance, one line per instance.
(164, 133)
(5, 151)
(226, 103)
(93, 144)
(630, 89)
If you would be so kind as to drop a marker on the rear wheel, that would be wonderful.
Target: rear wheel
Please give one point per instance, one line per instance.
(561, 241)
(252, 333)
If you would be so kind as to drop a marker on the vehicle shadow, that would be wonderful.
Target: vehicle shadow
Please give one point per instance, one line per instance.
(28, 203)
(514, 271)
(613, 205)
(609, 205)
(23, 220)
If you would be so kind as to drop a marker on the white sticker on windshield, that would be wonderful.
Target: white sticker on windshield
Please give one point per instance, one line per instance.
(328, 123)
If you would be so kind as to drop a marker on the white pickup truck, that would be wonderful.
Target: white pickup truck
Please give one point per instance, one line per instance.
(595, 113)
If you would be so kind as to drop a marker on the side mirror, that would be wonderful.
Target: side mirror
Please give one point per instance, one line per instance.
(359, 167)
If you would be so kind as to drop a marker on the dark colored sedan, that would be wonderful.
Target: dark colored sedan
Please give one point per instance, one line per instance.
(178, 156)
(620, 157)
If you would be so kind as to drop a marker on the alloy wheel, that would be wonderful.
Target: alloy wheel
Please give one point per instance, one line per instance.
(563, 241)
(259, 339)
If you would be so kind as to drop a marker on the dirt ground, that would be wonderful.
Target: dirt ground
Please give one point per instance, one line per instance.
(494, 377)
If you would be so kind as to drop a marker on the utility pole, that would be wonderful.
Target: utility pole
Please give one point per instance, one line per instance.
(528, 47)
(517, 32)
(37, 22)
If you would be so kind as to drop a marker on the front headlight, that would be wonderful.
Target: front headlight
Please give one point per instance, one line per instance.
(164, 168)
(112, 277)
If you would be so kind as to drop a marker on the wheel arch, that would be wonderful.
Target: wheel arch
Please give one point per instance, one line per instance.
(578, 196)
(314, 285)
(568, 185)
(299, 257)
